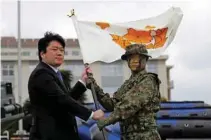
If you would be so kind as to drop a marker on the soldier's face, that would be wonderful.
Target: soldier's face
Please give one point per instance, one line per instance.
(134, 62)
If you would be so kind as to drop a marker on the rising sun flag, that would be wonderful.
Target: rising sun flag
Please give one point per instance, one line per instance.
(106, 42)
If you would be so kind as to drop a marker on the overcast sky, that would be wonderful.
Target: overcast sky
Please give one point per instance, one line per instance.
(190, 52)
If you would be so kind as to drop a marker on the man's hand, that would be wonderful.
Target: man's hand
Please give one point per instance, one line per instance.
(87, 77)
(86, 73)
(99, 114)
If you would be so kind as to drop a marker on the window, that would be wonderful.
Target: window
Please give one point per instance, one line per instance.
(75, 53)
(9, 53)
(113, 69)
(4, 53)
(152, 67)
(26, 53)
(76, 68)
(66, 53)
(7, 70)
(112, 76)
(112, 81)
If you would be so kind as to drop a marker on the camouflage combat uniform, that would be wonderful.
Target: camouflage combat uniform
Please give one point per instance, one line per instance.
(134, 106)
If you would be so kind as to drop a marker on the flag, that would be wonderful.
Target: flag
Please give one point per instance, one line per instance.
(106, 42)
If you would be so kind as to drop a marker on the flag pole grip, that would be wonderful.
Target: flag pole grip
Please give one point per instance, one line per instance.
(97, 105)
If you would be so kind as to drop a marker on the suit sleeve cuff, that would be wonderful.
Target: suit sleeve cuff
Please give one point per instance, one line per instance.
(91, 116)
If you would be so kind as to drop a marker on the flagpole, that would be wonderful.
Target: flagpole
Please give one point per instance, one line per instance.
(97, 105)
(20, 126)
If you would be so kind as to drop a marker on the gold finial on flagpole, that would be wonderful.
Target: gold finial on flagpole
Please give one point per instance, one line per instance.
(71, 13)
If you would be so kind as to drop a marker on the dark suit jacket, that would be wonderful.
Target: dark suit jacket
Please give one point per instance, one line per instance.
(54, 107)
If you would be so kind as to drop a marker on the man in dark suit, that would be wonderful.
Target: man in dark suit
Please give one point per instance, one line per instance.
(53, 106)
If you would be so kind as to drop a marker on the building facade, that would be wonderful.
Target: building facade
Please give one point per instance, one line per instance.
(109, 76)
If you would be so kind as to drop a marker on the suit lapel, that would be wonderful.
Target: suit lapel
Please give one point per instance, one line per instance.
(61, 82)
(58, 81)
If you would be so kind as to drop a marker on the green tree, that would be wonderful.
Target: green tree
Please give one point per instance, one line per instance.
(67, 79)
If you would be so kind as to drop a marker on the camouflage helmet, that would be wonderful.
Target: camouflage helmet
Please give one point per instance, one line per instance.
(135, 49)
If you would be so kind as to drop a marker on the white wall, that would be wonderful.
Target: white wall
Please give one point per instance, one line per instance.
(27, 67)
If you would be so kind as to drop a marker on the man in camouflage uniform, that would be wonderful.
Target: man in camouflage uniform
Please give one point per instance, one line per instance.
(136, 102)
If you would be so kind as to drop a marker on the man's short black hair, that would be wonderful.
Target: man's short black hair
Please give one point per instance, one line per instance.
(48, 37)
